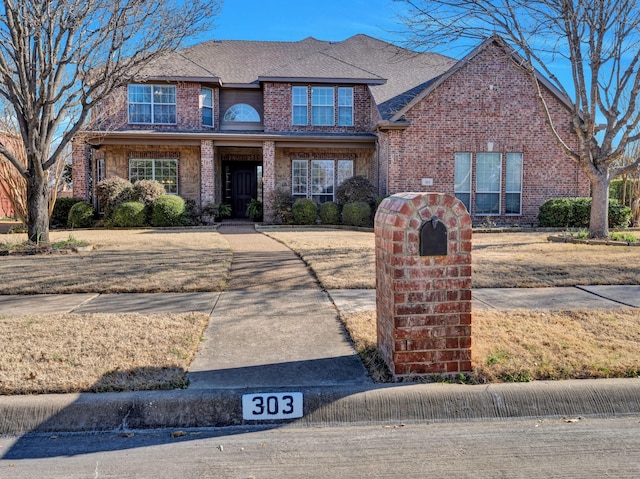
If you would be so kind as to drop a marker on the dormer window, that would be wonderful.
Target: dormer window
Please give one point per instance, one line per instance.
(155, 104)
(241, 112)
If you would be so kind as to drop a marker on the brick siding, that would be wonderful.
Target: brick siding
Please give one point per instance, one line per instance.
(487, 100)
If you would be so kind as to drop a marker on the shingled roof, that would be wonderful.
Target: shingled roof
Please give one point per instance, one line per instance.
(394, 74)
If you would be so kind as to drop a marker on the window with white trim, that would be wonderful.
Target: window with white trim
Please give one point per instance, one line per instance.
(513, 187)
(462, 180)
(345, 106)
(300, 102)
(155, 104)
(241, 112)
(206, 106)
(299, 179)
(164, 171)
(322, 106)
(318, 179)
(322, 180)
(488, 181)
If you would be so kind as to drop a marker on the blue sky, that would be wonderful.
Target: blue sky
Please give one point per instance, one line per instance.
(290, 20)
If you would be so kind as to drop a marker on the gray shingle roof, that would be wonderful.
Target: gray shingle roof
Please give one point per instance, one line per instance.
(395, 74)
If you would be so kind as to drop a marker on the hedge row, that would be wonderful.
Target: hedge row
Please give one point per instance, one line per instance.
(576, 212)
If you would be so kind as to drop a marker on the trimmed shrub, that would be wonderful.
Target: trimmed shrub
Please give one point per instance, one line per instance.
(168, 210)
(81, 215)
(329, 213)
(619, 215)
(60, 214)
(305, 212)
(282, 203)
(111, 192)
(357, 214)
(147, 191)
(355, 189)
(130, 214)
(576, 212)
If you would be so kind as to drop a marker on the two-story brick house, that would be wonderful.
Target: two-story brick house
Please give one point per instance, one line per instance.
(227, 121)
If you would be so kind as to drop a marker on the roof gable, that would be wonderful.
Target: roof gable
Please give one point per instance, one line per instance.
(494, 40)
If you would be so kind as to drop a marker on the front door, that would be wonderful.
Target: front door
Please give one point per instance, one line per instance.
(243, 188)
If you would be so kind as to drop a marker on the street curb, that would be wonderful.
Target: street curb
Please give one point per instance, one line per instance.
(322, 405)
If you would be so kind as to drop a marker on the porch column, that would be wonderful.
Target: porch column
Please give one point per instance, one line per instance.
(207, 173)
(268, 177)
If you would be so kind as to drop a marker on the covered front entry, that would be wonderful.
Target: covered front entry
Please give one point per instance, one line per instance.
(242, 179)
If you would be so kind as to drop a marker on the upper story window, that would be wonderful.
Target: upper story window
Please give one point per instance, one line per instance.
(345, 106)
(325, 101)
(206, 99)
(322, 106)
(241, 112)
(154, 104)
(300, 103)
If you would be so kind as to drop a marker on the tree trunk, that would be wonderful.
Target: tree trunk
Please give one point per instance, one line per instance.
(38, 207)
(599, 221)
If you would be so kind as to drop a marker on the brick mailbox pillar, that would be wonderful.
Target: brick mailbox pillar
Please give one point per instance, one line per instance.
(423, 284)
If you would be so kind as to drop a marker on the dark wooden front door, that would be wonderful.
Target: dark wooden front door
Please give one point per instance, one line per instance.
(243, 188)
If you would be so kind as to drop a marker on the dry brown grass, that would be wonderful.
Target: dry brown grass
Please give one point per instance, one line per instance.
(143, 261)
(345, 259)
(341, 259)
(532, 345)
(60, 353)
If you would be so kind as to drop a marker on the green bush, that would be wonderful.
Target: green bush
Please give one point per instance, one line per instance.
(329, 213)
(576, 212)
(282, 203)
(111, 192)
(305, 212)
(357, 214)
(130, 214)
(254, 210)
(619, 215)
(168, 210)
(81, 215)
(147, 191)
(355, 189)
(60, 214)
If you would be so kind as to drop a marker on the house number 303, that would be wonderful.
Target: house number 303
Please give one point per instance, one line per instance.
(270, 406)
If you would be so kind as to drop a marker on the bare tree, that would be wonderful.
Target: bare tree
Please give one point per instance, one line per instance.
(59, 58)
(596, 42)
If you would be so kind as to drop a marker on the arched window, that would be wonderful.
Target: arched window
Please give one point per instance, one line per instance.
(242, 112)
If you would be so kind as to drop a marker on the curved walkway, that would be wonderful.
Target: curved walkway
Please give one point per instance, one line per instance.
(274, 326)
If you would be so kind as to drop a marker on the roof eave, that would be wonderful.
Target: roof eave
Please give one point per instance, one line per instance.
(342, 81)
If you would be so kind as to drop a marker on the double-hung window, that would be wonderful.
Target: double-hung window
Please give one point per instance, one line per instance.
(300, 104)
(488, 181)
(318, 179)
(164, 171)
(206, 99)
(513, 177)
(154, 104)
(462, 180)
(299, 179)
(345, 106)
(322, 106)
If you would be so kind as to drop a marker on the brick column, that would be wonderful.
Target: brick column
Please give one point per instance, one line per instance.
(268, 177)
(81, 168)
(423, 302)
(207, 173)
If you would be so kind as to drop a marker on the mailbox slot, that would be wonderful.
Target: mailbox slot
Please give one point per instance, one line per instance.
(433, 238)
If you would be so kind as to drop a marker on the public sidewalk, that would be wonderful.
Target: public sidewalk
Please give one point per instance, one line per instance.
(276, 330)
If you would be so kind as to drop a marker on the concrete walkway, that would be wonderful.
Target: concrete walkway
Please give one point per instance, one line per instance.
(274, 327)
(275, 330)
